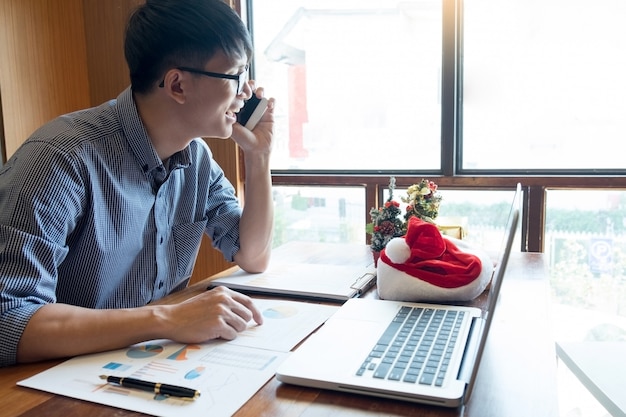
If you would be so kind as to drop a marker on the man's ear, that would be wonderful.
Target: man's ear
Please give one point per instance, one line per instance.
(173, 83)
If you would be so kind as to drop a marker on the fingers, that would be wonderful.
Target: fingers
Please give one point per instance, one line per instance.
(259, 140)
(271, 103)
(218, 313)
(260, 93)
(250, 307)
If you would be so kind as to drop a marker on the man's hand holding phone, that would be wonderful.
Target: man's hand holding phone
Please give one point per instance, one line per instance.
(252, 111)
(258, 114)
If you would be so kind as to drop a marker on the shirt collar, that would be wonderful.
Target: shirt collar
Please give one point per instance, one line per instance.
(138, 138)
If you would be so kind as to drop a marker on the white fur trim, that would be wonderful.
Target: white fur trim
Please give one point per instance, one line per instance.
(397, 285)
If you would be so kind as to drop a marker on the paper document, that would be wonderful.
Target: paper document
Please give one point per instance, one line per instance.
(314, 281)
(227, 373)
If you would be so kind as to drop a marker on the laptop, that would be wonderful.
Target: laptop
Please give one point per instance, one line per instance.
(367, 346)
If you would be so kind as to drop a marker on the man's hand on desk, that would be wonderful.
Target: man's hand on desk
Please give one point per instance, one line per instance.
(217, 313)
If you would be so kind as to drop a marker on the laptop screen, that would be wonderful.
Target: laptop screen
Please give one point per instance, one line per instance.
(496, 282)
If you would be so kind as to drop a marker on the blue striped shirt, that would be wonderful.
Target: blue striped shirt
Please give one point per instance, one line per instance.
(90, 216)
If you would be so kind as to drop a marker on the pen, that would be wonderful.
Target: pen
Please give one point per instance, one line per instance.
(156, 387)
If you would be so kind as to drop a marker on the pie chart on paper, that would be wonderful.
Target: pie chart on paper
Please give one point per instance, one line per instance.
(195, 373)
(280, 312)
(145, 351)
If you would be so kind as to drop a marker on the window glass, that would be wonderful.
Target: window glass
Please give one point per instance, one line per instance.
(319, 214)
(478, 216)
(357, 82)
(586, 244)
(543, 84)
(335, 214)
(483, 214)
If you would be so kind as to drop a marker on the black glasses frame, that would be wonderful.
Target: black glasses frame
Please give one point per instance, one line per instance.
(241, 78)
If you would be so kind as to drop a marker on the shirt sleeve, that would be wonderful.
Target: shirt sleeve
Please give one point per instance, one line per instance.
(40, 199)
(223, 210)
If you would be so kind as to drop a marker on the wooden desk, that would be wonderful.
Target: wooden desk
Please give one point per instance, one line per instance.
(601, 368)
(517, 376)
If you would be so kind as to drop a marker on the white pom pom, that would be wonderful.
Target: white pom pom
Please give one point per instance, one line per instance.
(397, 250)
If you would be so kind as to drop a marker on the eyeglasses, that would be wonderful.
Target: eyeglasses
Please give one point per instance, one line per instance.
(241, 78)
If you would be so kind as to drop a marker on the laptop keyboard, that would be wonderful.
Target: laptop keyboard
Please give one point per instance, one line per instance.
(416, 347)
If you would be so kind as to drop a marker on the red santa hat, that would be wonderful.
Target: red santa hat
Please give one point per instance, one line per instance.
(424, 265)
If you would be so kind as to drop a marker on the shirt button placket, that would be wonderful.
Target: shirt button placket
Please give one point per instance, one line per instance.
(161, 222)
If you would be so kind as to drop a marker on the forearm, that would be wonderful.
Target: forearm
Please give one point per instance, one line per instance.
(256, 225)
(257, 220)
(61, 330)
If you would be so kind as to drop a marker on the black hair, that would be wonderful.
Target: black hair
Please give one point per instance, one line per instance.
(163, 34)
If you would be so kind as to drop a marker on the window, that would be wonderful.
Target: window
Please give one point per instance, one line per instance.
(311, 214)
(482, 214)
(365, 78)
(586, 242)
(542, 84)
(482, 95)
(358, 78)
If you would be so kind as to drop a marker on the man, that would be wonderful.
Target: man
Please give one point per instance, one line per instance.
(103, 210)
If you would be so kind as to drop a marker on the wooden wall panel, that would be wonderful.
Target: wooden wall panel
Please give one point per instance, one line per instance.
(43, 64)
(104, 32)
(3, 156)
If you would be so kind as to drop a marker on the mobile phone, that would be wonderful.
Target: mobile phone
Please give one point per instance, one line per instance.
(251, 112)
